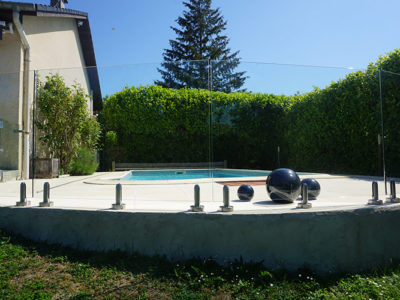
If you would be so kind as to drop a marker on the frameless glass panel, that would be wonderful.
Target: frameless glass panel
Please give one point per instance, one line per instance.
(155, 140)
(11, 134)
(389, 146)
(16, 94)
(309, 119)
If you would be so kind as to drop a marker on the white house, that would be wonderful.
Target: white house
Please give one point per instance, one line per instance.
(49, 39)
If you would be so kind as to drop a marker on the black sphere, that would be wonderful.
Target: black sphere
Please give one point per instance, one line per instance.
(283, 185)
(245, 192)
(313, 188)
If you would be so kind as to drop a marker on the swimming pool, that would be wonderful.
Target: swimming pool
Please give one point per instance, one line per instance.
(192, 174)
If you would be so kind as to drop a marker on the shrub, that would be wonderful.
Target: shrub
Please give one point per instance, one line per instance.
(63, 120)
(83, 163)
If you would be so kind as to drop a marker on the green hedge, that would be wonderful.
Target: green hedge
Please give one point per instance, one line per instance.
(327, 130)
(335, 129)
(155, 124)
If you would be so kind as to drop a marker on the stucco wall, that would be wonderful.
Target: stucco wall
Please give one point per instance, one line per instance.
(340, 240)
(56, 48)
(10, 101)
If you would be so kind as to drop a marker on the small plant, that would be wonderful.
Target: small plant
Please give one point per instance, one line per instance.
(83, 163)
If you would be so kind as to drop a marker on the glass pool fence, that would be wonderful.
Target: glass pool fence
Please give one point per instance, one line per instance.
(193, 117)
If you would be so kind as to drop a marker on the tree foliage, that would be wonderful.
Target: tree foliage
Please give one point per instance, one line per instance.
(63, 119)
(200, 50)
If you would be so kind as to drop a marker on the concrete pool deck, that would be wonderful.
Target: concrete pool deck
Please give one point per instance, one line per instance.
(337, 192)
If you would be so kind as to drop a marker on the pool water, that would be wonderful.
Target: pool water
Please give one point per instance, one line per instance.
(191, 174)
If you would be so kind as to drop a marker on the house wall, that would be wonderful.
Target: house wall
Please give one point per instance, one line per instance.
(10, 102)
(56, 48)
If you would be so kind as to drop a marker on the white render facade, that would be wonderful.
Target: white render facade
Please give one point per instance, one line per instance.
(48, 42)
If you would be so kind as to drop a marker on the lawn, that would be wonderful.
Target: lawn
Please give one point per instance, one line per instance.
(31, 270)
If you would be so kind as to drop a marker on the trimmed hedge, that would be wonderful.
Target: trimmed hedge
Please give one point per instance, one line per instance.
(335, 129)
(327, 130)
(155, 124)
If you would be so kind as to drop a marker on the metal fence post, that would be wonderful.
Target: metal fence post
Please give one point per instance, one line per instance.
(118, 198)
(22, 196)
(46, 196)
(304, 195)
(226, 207)
(375, 195)
(197, 207)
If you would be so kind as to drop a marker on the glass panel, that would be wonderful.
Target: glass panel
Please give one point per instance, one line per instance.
(389, 150)
(10, 124)
(308, 119)
(162, 134)
(15, 133)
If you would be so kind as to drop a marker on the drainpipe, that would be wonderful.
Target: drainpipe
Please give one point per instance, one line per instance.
(25, 111)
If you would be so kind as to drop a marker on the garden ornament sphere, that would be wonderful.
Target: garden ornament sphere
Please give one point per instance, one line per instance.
(313, 188)
(245, 192)
(283, 185)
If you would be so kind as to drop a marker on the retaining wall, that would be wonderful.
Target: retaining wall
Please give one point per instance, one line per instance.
(345, 240)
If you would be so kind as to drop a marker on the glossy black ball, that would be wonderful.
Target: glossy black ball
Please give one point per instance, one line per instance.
(313, 188)
(283, 185)
(245, 192)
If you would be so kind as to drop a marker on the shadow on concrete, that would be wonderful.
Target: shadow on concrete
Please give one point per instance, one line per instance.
(270, 202)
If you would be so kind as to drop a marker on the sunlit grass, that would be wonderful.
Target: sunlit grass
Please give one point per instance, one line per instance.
(38, 271)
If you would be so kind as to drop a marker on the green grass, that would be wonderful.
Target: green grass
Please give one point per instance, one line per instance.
(39, 271)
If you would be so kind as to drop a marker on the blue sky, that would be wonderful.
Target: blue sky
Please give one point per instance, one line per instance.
(344, 33)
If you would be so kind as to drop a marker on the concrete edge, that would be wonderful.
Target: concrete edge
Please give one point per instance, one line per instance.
(330, 241)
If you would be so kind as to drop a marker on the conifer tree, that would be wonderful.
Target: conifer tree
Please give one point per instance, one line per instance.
(200, 52)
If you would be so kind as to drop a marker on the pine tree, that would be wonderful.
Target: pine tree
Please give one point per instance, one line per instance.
(200, 52)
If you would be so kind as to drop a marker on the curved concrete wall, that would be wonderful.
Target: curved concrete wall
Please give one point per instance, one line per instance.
(346, 240)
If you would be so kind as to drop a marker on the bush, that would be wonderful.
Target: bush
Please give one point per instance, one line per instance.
(83, 163)
(63, 119)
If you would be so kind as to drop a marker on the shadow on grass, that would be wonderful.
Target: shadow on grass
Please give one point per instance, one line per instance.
(193, 273)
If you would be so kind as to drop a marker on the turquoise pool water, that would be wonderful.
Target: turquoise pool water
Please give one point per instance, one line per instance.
(191, 174)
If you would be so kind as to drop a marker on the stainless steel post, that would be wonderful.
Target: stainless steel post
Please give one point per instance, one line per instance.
(22, 192)
(46, 196)
(304, 195)
(393, 197)
(196, 195)
(375, 195)
(118, 198)
(226, 207)
(22, 196)
(118, 194)
(46, 192)
(196, 207)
